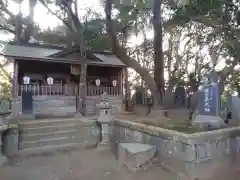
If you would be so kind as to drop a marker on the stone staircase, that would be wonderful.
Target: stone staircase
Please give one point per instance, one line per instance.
(51, 134)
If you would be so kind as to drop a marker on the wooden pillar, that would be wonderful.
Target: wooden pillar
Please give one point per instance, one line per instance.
(126, 87)
(121, 81)
(15, 79)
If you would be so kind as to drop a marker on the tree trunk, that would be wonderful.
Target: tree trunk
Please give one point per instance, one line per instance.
(121, 53)
(157, 44)
(18, 27)
(28, 31)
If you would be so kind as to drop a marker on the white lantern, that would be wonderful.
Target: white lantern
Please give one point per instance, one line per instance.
(97, 82)
(50, 80)
(114, 83)
(26, 80)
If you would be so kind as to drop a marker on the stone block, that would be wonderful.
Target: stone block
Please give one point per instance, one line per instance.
(134, 155)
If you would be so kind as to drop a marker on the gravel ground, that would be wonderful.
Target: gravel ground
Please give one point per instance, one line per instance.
(93, 164)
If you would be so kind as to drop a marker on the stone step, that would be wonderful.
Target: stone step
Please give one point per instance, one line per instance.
(51, 148)
(51, 142)
(41, 136)
(55, 128)
(47, 122)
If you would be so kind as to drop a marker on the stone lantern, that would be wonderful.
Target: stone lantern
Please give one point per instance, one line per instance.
(2, 129)
(105, 117)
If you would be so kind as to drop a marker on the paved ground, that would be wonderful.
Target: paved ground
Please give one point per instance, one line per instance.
(93, 164)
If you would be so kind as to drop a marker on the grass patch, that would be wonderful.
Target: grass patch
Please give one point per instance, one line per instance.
(180, 126)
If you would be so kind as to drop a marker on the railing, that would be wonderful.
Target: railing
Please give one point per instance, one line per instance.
(98, 90)
(67, 90)
(49, 90)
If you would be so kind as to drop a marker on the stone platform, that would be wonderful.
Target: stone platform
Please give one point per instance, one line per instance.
(193, 156)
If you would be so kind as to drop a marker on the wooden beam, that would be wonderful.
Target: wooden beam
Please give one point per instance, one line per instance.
(15, 79)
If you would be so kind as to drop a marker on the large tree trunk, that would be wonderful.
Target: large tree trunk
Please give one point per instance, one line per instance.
(121, 53)
(18, 24)
(157, 44)
(28, 31)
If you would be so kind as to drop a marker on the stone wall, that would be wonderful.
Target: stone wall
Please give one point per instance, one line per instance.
(197, 155)
(65, 105)
(48, 105)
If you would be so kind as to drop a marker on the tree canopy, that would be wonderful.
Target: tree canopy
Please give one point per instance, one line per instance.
(178, 40)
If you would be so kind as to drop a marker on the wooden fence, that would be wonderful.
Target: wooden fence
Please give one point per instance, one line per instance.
(68, 90)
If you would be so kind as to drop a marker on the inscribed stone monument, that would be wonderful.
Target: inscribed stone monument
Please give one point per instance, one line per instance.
(208, 107)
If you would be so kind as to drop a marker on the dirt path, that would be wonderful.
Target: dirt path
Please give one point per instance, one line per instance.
(95, 164)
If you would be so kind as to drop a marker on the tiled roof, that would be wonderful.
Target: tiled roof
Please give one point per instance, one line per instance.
(108, 59)
(26, 51)
(48, 54)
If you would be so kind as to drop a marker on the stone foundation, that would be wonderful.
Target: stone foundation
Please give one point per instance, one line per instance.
(64, 105)
(197, 155)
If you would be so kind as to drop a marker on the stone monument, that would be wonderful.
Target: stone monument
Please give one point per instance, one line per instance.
(105, 117)
(208, 107)
(180, 96)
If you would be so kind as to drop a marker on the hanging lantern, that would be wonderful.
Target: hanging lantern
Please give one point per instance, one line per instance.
(26, 80)
(50, 80)
(97, 82)
(114, 83)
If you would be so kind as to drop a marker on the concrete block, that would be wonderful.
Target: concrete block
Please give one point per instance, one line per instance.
(133, 155)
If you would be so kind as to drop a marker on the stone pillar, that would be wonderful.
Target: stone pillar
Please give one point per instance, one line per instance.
(2, 158)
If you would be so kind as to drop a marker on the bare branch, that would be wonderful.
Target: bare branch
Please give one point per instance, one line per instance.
(65, 22)
(7, 29)
(4, 8)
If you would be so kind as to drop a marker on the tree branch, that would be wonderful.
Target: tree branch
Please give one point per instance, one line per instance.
(4, 9)
(7, 29)
(65, 22)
